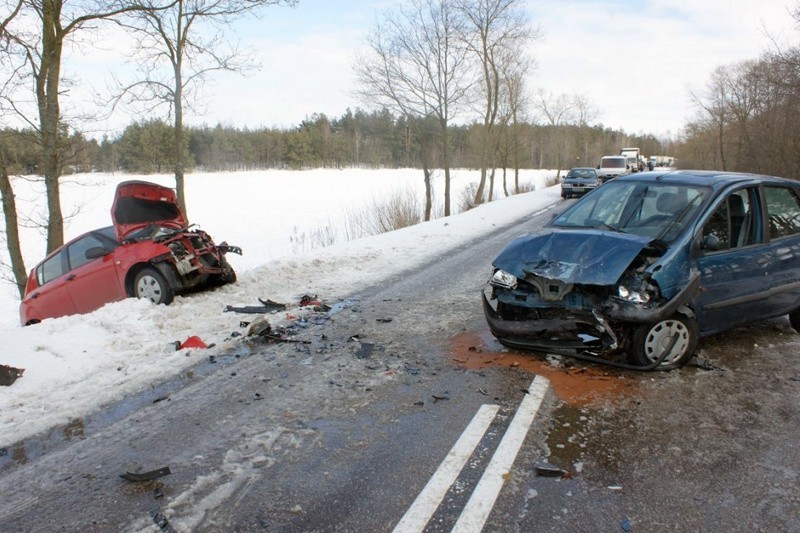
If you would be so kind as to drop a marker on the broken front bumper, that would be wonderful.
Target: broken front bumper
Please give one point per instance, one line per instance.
(574, 331)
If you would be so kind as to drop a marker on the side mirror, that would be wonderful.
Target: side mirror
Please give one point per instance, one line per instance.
(96, 252)
(710, 243)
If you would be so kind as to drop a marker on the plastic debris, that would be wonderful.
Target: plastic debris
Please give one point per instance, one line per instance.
(192, 342)
(267, 306)
(365, 350)
(551, 471)
(9, 374)
(146, 476)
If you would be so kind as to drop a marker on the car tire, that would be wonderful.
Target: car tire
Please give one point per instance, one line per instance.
(563, 195)
(794, 320)
(650, 340)
(228, 273)
(152, 285)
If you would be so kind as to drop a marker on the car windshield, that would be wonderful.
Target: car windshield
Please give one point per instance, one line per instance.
(582, 173)
(616, 162)
(657, 210)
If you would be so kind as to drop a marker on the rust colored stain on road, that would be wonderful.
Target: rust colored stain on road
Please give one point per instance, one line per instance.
(576, 384)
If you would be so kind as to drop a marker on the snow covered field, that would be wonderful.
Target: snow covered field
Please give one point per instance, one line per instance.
(127, 346)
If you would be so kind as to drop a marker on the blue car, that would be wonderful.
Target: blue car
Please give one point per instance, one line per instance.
(636, 272)
(579, 180)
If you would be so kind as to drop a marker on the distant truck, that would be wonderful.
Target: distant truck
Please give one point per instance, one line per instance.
(657, 161)
(634, 159)
(612, 166)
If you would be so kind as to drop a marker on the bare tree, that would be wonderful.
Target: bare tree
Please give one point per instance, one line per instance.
(715, 102)
(512, 110)
(179, 49)
(416, 66)
(498, 32)
(558, 111)
(18, 270)
(42, 53)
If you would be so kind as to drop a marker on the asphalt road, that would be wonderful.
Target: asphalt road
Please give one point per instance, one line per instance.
(345, 432)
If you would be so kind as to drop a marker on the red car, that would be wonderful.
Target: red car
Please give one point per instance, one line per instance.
(149, 252)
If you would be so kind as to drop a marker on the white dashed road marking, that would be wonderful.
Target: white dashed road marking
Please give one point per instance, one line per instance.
(420, 512)
(480, 504)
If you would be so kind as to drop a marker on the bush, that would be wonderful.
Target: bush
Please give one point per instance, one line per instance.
(525, 187)
(317, 238)
(552, 180)
(466, 200)
(399, 210)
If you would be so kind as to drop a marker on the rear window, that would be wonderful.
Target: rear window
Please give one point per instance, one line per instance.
(50, 269)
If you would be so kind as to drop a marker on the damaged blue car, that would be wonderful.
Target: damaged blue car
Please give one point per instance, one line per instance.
(637, 271)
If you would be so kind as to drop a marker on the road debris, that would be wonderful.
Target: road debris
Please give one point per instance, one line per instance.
(703, 364)
(9, 374)
(161, 521)
(551, 471)
(136, 477)
(193, 342)
(267, 306)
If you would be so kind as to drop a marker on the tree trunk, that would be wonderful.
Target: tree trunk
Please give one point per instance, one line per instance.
(428, 191)
(478, 199)
(47, 87)
(12, 229)
(177, 148)
(446, 163)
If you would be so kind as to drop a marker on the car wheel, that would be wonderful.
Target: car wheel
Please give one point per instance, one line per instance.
(563, 195)
(228, 274)
(794, 320)
(151, 285)
(650, 341)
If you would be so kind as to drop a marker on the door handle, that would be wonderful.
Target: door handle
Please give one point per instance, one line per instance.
(70, 277)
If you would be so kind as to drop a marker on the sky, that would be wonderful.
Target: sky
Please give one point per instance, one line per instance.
(127, 347)
(635, 60)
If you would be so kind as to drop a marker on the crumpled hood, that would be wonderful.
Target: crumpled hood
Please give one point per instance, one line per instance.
(583, 256)
(140, 203)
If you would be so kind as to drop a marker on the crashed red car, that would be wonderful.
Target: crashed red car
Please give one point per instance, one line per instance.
(149, 252)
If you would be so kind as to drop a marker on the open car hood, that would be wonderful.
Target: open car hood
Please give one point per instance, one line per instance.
(583, 256)
(140, 203)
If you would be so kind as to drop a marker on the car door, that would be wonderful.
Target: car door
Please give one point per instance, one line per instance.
(783, 229)
(92, 281)
(51, 299)
(734, 276)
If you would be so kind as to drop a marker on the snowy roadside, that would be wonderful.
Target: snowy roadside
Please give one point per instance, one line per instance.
(74, 365)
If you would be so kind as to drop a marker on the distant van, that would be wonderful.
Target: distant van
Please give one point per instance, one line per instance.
(612, 166)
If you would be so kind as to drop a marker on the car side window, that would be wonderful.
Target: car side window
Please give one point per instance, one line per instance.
(783, 210)
(718, 225)
(76, 252)
(733, 222)
(50, 269)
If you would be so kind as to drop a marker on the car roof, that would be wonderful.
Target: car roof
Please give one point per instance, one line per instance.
(583, 168)
(713, 178)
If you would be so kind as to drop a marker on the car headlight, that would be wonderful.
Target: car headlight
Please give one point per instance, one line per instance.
(501, 278)
(639, 297)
